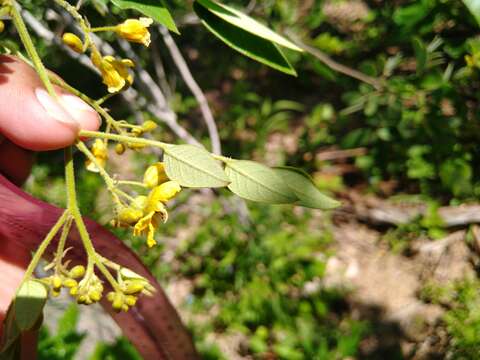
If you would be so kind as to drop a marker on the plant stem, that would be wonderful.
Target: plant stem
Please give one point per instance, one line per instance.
(82, 230)
(73, 11)
(43, 246)
(221, 158)
(122, 138)
(62, 241)
(72, 203)
(106, 177)
(128, 182)
(30, 48)
(103, 28)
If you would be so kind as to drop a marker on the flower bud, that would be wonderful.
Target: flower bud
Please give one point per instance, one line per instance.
(73, 42)
(70, 283)
(149, 125)
(125, 307)
(55, 293)
(110, 296)
(95, 295)
(74, 291)
(99, 149)
(77, 271)
(130, 300)
(155, 175)
(133, 287)
(136, 146)
(56, 282)
(119, 149)
(81, 299)
(137, 131)
(135, 30)
(117, 302)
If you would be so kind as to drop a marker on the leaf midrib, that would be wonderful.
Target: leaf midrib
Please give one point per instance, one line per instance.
(259, 183)
(198, 168)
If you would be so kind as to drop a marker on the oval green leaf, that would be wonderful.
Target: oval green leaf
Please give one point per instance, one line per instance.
(194, 167)
(253, 181)
(255, 47)
(306, 191)
(246, 23)
(155, 9)
(29, 303)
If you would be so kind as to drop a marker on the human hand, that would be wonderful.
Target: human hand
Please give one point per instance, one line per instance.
(30, 120)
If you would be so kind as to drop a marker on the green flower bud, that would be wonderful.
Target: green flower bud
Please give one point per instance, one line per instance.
(120, 149)
(133, 287)
(77, 271)
(95, 295)
(117, 302)
(130, 300)
(56, 282)
(70, 283)
(111, 296)
(149, 125)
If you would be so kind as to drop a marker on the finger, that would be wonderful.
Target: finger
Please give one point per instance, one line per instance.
(31, 118)
(15, 162)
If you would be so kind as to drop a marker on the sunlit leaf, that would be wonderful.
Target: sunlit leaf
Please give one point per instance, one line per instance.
(29, 303)
(253, 181)
(193, 166)
(155, 9)
(255, 47)
(306, 191)
(246, 23)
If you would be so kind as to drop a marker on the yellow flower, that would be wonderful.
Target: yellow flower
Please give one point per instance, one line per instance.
(155, 175)
(114, 72)
(99, 150)
(163, 193)
(73, 42)
(135, 30)
(154, 210)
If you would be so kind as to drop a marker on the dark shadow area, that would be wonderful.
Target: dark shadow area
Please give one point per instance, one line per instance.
(387, 340)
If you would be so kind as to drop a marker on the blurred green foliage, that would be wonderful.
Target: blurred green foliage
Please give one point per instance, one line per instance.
(264, 281)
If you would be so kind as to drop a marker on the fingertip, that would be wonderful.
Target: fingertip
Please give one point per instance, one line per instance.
(85, 116)
(31, 118)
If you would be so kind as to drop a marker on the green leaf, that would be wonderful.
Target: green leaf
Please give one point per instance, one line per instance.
(68, 322)
(193, 166)
(29, 303)
(306, 191)
(421, 54)
(155, 9)
(257, 48)
(253, 181)
(474, 7)
(246, 23)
